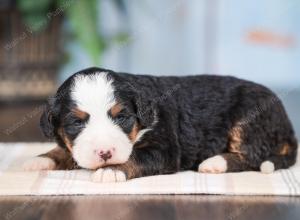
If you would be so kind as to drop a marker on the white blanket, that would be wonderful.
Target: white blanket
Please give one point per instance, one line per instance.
(13, 181)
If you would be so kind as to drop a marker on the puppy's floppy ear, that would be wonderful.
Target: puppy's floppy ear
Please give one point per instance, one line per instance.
(46, 121)
(145, 109)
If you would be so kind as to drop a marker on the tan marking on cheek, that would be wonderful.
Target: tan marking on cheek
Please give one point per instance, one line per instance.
(135, 130)
(235, 139)
(80, 114)
(66, 140)
(116, 109)
(284, 150)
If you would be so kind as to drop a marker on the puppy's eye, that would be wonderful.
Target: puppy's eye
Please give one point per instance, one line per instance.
(77, 122)
(120, 118)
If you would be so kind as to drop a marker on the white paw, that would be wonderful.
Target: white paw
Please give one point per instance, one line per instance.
(267, 167)
(216, 164)
(39, 163)
(108, 175)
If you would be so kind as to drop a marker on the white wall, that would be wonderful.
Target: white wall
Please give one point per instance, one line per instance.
(202, 36)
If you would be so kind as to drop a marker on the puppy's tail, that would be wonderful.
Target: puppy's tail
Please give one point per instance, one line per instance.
(283, 159)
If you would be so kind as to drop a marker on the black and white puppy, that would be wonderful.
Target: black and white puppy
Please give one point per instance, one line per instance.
(125, 126)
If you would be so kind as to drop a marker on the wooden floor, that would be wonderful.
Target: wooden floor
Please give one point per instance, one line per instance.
(146, 207)
(19, 122)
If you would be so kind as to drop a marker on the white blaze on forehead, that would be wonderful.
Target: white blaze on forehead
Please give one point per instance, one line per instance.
(93, 93)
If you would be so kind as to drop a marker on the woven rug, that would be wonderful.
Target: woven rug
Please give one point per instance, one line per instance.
(13, 181)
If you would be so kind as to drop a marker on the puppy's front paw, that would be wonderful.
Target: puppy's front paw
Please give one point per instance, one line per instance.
(108, 175)
(39, 163)
(216, 164)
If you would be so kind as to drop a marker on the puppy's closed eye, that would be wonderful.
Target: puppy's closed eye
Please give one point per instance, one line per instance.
(78, 122)
(120, 118)
(74, 122)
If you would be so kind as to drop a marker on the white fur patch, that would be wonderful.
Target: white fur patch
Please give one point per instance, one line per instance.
(94, 94)
(141, 133)
(108, 175)
(216, 164)
(267, 167)
(39, 163)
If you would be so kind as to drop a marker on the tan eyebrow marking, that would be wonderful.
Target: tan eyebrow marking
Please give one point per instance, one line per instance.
(80, 114)
(116, 109)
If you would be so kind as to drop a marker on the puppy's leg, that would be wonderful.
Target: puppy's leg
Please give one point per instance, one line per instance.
(227, 162)
(56, 159)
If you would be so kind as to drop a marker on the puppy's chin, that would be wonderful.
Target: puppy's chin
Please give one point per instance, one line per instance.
(91, 165)
(89, 160)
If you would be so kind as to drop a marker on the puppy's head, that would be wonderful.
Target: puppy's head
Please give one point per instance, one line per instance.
(98, 117)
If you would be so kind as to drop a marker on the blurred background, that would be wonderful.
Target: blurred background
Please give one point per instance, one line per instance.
(43, 42)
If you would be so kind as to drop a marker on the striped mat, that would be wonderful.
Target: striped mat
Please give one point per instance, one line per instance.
(13, 181)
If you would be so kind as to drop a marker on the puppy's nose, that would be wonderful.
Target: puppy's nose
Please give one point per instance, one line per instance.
(105, 155)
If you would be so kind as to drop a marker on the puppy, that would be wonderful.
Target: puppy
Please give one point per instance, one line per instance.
(125, 126)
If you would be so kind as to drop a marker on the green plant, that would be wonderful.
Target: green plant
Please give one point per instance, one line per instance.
(82, 16)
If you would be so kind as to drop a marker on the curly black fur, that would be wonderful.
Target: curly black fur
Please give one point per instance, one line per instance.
(194, 118)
